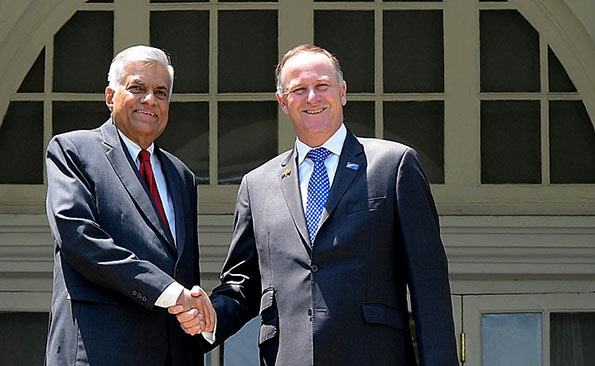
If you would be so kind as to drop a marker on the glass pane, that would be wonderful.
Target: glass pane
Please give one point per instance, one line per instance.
(359, 118)
(242, 347)
(247, 138)
(509, 49)
(22, 339)
(572, 143)
(571, 339)
(34, 81)
(187, 137)
(511, 339)
(357, 62)
(247, 50)
(83, 51)
(21, 144)
(185, 35)
(421, 126)
(70, 116)
(413, 51)
(510, 142)
(558, 78)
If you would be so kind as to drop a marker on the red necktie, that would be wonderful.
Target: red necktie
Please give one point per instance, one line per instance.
(146, 171)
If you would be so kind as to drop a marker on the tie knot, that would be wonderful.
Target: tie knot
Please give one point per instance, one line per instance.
(318, 154)
(144, 156)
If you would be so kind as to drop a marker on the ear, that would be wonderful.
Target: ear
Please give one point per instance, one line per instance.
(282, 103)
(109, 98)
(344, 93)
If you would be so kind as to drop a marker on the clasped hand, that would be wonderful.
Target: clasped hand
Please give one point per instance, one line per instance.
(194, 311)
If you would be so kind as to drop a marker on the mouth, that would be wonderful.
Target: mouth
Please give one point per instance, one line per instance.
(146, 113)
(317, 111)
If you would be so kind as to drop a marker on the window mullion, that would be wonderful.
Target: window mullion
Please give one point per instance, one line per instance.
(131, 23)
(293, 15)
(461, 105)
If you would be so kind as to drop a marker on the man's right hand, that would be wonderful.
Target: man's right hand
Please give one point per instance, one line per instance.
(194, 311)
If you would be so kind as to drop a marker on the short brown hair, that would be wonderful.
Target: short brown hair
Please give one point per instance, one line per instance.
(306, 48)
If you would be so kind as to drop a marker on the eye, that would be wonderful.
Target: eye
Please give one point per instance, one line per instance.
(161, 94)
(322, 86)
(298, 91)
(135, 88)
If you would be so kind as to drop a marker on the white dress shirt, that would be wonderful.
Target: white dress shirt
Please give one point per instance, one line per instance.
(305, 166)
(170, 295)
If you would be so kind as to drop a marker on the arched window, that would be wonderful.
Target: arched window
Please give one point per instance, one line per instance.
(475, 86)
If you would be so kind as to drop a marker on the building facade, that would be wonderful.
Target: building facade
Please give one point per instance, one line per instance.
(498, 98)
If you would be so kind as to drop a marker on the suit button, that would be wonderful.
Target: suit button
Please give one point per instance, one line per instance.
(309, 312)
(314, 268)
(134, 292)
(144, 299)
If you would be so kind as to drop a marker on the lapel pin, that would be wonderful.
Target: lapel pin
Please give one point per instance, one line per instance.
(286, 173)
(352, 166)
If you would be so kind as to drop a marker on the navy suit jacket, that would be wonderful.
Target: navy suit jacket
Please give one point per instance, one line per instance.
(113, 256)
(344, 300)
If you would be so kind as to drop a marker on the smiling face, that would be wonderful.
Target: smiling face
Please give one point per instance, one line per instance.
(140, 104)
(312, 97)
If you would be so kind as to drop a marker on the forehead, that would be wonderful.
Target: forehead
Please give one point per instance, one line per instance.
(147, 72)
(308, 65)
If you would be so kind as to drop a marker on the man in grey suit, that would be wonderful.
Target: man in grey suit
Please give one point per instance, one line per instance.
(330, 236)
(122, 213)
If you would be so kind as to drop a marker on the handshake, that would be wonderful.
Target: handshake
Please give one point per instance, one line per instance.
(194, 311)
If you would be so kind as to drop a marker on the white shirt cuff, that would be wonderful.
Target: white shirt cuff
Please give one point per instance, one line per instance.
(210, 336)
(169, 297)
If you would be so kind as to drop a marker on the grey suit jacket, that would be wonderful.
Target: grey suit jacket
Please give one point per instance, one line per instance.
(344, 300)
(113, 256)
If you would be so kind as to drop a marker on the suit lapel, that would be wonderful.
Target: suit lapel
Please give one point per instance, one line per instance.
(130, 177)
(352, 156)
(290, 186)
(175, 192)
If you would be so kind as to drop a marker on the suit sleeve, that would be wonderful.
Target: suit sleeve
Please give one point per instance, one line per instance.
(237, 298)
(81, 242)
(426, 263)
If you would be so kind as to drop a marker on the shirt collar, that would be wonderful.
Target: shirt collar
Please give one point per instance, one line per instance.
(133, 148)
(334, 144)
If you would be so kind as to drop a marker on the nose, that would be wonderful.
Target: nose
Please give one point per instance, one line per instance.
(149, 98)
(312, 96)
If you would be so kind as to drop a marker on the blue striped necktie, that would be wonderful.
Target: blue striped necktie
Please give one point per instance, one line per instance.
(318, 188)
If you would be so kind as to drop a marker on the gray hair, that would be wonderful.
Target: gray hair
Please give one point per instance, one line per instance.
(306, 48)
(140, 53)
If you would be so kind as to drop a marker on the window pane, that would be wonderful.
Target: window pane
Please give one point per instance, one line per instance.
(417, 1)
(359, 118)
(572, 143)
(247, 1)
(100, 1)
(571, 339)
(247, 50)
(21, 144)
(242, 347)
(357, 62)
(509, 49)
(345, 1)
(413, 51)
(558, 78)
(22, 339)
(187, 137)
(421, 126)
(185, 35)
(70, 116)
(83, 51)
(510, 142)
(247, 138)
(34, 81)
(511, 339)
